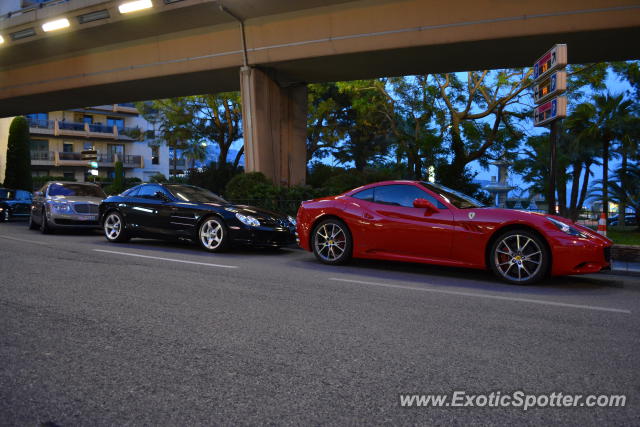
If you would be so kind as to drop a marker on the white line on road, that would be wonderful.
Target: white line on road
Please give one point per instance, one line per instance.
(478, 295)
(167, 259)
(23, 240)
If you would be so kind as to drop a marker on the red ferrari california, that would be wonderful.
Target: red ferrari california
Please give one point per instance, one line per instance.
(424, 222)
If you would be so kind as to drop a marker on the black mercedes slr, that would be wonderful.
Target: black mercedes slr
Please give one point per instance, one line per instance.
(186, 212)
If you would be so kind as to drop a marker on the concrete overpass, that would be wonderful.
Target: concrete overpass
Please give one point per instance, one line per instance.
(195, 46)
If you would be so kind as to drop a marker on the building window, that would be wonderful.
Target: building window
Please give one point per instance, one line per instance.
(88, 146)
(87, 119)
(155, 155)
(67, 147)
(40, 145)
(69, 175)
(39, 172)
(113, 121)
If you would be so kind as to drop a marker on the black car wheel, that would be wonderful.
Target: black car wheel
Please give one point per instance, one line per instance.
(45, 227)
(114, 229)
(213, 235)
(32, 225)
(332, 242)
(519, 257)
(5, 215)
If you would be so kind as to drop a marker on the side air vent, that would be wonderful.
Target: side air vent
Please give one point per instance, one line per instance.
(93, 16)
(23, 34)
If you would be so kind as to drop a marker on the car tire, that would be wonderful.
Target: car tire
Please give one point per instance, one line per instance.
(331, 242)
(5, 215)
(45, 227)
(114, 228)
(519, 257)
(32, 225)
(213, 235)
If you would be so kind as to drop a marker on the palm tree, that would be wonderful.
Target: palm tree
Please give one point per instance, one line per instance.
(195, 151)
(605, 120)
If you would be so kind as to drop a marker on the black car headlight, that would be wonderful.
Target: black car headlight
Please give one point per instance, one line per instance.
(292, 220)
(248, 220)
(566, 228)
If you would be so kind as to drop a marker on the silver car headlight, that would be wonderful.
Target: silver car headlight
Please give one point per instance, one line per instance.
(247, 220)
(60, 207)
(292, 220)
(566, 228)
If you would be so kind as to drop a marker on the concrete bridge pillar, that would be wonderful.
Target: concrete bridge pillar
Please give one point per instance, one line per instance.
(275, 127)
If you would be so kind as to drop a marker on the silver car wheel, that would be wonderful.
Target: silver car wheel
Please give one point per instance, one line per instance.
(112, 226)
(211, 234)
(518, 257)
(330, 241)
(6, 214)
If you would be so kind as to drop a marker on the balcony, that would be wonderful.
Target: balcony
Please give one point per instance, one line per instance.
(42, 158)
(84, 130)
(63, 158)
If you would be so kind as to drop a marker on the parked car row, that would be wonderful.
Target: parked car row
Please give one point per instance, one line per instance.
(409, 221)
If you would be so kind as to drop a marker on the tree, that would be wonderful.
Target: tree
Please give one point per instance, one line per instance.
(118, 180)
(192, 119)
(479, 116)
(18, 168)
(327, 118)
(606, 120)
(195, 151)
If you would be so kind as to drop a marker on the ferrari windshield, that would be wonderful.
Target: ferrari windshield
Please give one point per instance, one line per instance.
(190, 193)
(81, 190)
(456, 198)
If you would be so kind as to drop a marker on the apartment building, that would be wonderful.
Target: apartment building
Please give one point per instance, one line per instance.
(117, 132)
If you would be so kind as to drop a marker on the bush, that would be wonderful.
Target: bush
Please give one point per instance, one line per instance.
(213, 177)
(18, 167)
(158, 177)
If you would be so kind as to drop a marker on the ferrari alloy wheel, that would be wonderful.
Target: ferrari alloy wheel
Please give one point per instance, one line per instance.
(519, 257)
(213, 235)
(332, 242)
(114, 229)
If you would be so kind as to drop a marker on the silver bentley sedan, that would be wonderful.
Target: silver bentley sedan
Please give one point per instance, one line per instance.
(59, 205)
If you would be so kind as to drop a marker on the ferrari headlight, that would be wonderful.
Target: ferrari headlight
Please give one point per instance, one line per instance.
(566, 228)
(62, 207)
(292, 220)
(247, 220)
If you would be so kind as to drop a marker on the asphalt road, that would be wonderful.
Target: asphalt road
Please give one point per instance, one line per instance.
(93, 333)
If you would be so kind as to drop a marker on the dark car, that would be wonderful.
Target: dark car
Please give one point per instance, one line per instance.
(186, 212)
(14, 204)
(64, 205)
(629, 220)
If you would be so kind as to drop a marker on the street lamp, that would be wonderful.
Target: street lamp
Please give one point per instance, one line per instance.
(134, 6)
(54, 25)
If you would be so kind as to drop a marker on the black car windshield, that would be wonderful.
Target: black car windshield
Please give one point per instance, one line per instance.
(81, 190)
(189, 193)
(456, 198)
(6, 194)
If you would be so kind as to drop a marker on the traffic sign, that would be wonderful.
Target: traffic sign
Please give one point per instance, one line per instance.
(555, 58)
(550, 111)
(549, 87)
(89, 155)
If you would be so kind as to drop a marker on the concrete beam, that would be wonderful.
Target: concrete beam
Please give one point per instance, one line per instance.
(274, 125)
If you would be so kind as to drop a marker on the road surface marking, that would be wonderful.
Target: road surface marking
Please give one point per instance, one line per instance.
(477, 295)
(167, 259)
(24, 240)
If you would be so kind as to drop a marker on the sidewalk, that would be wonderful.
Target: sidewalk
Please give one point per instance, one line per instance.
(625, 268)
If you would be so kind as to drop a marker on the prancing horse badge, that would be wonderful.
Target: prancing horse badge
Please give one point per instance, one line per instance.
(472, 215)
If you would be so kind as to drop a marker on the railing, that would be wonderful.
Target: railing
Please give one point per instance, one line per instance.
(106, 158)
(132, 160)
(100, 128)
(40, 123)
(71, 126)
(42, 155)
(63, 155)
(31, 8)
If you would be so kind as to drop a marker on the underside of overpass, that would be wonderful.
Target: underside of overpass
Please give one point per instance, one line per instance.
(195, 46)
